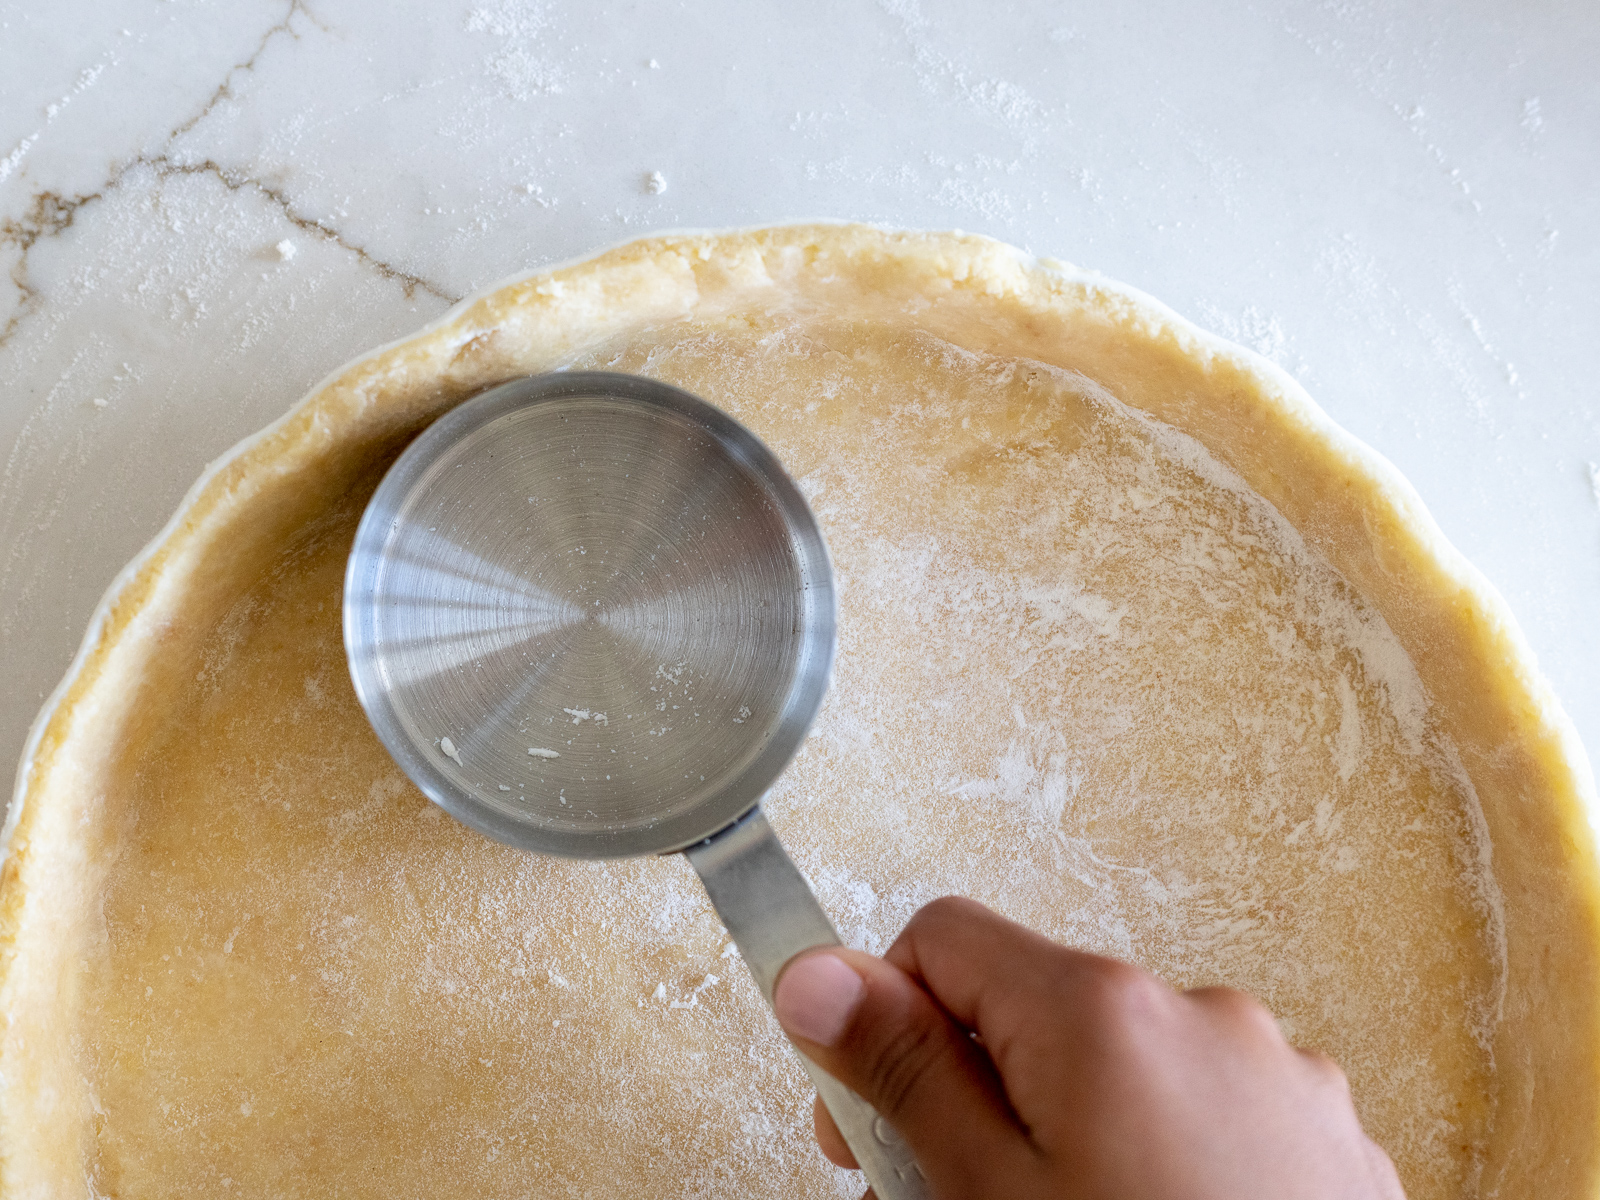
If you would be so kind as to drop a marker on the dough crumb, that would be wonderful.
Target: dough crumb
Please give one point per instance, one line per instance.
(286, 250)
(448, 749)
(101, 402)
(654, 65)
(655, 183)
(541, 752)
(694, 997)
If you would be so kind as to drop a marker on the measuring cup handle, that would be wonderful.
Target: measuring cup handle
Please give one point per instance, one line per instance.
(768, 907)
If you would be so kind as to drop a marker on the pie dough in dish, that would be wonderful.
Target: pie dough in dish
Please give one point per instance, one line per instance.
(1136, 647)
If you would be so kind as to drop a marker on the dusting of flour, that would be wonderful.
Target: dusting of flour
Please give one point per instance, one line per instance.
(1085, 676)
(1088, 676)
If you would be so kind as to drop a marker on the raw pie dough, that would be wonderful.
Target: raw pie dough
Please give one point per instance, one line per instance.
(1137, 647)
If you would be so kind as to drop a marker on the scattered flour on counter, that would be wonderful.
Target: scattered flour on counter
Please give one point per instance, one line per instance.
(517, 31)
(1532, 116)
(13, 160)
(1008, 103)
(86, 80)
(1260, 331)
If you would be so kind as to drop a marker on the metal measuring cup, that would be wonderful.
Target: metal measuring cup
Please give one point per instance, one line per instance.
(590, 615)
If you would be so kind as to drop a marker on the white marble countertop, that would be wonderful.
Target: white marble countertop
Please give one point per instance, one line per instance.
(205, 207)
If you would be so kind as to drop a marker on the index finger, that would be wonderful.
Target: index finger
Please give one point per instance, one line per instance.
(1010, 986)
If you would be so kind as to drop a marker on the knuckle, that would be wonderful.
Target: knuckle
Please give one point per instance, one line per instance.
(1240, 1011)
(944, 911)
(1125, 1005)
(1122, 991)
(1325, 1071)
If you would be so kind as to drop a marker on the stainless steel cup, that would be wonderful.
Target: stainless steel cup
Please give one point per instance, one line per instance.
(591, 615)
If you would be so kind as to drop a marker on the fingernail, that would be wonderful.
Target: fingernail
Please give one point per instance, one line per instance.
(816, 997)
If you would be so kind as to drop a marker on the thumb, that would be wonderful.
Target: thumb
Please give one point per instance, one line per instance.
(873, 1027)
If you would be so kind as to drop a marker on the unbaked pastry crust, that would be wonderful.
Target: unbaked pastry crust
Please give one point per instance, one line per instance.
(1082, 545)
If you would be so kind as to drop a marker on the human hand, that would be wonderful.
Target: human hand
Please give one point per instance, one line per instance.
(1019, 1069)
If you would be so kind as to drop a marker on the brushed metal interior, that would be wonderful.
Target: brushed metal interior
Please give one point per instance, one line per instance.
(611, 600)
